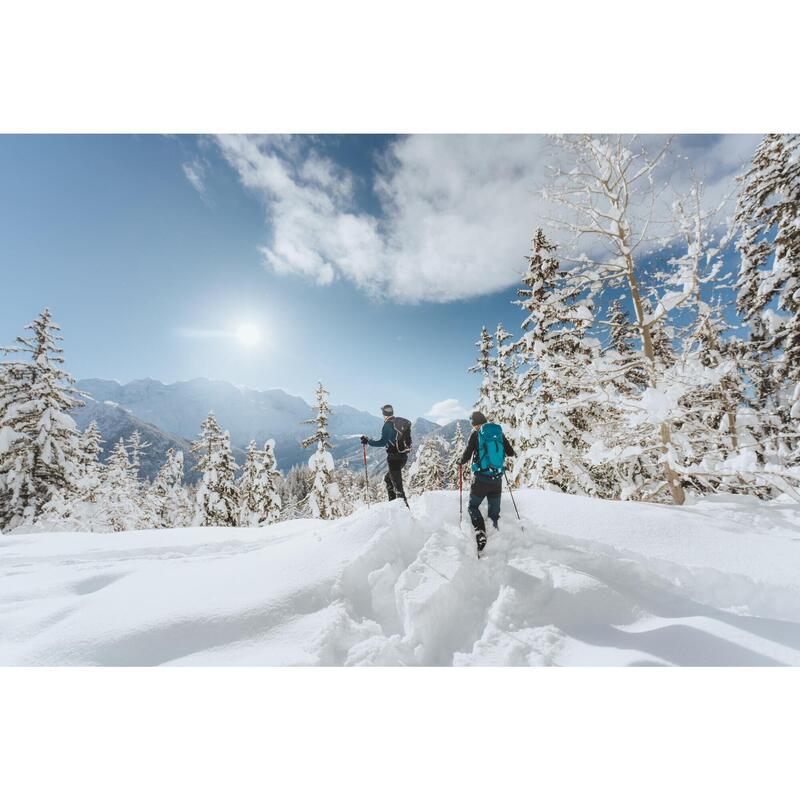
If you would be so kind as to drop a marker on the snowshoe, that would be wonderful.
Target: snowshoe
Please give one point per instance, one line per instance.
(480, 539)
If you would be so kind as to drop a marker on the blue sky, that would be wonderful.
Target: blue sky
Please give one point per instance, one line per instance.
(367, 262)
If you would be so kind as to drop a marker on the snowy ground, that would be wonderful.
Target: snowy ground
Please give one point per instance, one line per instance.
(588, 582)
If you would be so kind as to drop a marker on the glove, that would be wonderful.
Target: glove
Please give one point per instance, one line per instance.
(364, 439)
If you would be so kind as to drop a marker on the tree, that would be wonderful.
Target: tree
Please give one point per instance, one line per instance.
(135, 448)
(259, 487)
(429, 471)
(90, 470)
(456, 451)
(484, 366)
(39, 442)
(766, 221)
(609, 179)
(627, 372)
(168, 495)
(324, 500)
(119, 503)
(553, 420)
(217, 500)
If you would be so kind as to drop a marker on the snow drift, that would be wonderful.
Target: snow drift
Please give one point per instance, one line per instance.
(587, 582)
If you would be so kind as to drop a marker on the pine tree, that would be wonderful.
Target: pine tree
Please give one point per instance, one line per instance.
(169, 497)
(135, 448)
(551, 432)
(119, 500)
(766, 219)
(324, 500)
(217, 501)
(259, 487)
(39, 442)
(456, 451)
(628, 370)
(506, 389)
(429, 472)
(90, 470)
(484, 366)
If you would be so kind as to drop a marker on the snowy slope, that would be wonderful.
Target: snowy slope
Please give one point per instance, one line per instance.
(587, 582)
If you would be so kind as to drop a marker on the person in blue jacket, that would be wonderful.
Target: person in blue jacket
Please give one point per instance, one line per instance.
(488, 486)
(395, 459)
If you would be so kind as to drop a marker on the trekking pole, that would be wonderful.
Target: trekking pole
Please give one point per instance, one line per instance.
(508, 483)
(460, 495)
(366, 474)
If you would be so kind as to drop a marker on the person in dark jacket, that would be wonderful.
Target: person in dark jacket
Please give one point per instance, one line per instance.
(483, 486)
(395, 460)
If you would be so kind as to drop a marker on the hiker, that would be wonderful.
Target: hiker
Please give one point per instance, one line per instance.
(487, 448)
(396, 438)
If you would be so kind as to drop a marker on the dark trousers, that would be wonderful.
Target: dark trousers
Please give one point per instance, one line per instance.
(394, 477)
(491, 489)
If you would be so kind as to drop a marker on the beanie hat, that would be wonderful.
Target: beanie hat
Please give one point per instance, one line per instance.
(478, 418)
(387, 410)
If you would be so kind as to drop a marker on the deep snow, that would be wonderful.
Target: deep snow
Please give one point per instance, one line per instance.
(587, 582)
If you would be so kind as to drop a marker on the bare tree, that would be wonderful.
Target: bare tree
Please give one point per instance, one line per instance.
(611, 197)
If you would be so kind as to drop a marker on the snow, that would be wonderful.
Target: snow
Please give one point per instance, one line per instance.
(586, 582)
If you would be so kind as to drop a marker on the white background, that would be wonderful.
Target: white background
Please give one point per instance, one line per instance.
(398, 67)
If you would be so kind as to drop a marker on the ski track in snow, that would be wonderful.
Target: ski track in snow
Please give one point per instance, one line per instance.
(588, 582)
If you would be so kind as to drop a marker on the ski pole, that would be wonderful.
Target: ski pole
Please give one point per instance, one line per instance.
(366, 474)
(460, 495)
(508, 483)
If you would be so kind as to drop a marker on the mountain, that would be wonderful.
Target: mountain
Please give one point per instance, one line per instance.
(169, 415)
(179, 409)
(115, 423)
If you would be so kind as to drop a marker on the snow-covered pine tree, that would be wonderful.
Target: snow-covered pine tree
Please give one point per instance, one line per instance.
(294, 490)
(456, 451)
(119, 506)
(259, 487)
(90, 470)
(136, 447)
(351, 487)
(709, 430)
(324, 500)
(766, 219)
(626, 368)
(429, 472)
(505, 388)
(553, 417)
(217, 500)
(39, 441)
(485, 366)
(169, 498)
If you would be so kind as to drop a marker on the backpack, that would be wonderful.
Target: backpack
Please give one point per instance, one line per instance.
(403, 439)
(491, 451)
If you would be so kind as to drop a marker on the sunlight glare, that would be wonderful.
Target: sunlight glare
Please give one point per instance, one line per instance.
(249, 335)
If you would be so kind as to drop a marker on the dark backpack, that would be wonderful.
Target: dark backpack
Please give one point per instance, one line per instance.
(491, 451)
(403, 440)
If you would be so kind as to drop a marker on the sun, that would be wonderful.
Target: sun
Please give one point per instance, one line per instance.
(249, 335)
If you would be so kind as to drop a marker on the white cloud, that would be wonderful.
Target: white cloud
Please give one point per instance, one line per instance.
(195, 173)
(446, 411)
(457, 212)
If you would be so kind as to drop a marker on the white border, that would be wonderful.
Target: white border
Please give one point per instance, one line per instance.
(416, 66)
(398, 733)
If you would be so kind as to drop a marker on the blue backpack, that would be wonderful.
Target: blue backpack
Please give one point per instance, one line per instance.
(491, 452)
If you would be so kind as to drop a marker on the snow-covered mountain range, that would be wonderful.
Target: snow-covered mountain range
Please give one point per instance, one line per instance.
(169, 415)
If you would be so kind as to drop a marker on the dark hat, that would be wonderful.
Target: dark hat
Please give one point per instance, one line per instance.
(387, 410)
(478, 418)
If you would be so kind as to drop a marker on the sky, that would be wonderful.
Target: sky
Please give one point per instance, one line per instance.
(369, 263)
